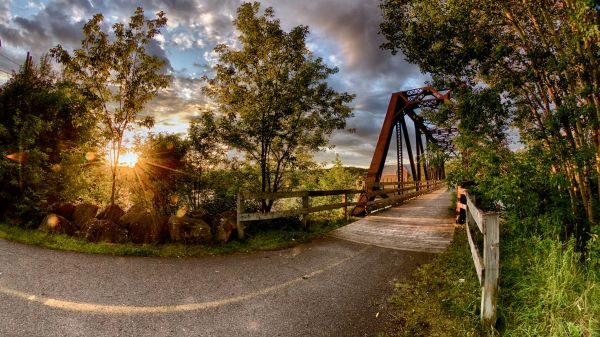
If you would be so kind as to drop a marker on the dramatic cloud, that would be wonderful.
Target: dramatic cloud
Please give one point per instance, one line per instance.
(343, 32)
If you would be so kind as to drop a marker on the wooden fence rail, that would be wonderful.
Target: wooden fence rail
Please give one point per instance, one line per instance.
(488, 267)
(380, 196)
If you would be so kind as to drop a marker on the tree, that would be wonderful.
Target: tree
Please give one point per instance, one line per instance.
(120, 76)
(44, 124)
(271, 92)
(537, 62)
(161, 171)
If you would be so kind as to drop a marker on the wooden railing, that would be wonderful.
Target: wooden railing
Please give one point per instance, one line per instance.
(488, 267)
(380, 194)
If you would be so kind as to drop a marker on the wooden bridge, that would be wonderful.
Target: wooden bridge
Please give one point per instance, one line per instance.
(422, 224)
(412, 216)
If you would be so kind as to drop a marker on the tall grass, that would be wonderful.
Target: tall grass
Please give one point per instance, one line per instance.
(546, 291)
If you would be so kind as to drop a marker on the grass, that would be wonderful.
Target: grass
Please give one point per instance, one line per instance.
(544, 291)
(441, 298)
(272, 239)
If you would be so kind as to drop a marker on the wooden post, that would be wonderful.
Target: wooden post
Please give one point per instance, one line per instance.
(345, 201)
(305, 205)
(240, 210)
(491, 258)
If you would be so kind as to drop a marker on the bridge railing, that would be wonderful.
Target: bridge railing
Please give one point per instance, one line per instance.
(487, 267)
(382, 196)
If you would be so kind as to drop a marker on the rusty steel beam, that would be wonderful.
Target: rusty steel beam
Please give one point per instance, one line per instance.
(404, 103)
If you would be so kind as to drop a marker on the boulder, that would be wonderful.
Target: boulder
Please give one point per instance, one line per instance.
(64, 210)
(226, 225)
(136, 208)
(144, 228)
(189, 229)
(198, 213)
(202, 214)
(96, 230)
(54, 223)
(83, 213)
(112, 213)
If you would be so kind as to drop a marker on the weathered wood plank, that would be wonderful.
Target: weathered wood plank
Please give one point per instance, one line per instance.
(295, 194)
(491, 257)
(475, 254)
(475, 213)
(421, 224)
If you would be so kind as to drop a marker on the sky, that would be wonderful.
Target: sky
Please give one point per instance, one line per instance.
(342, 32)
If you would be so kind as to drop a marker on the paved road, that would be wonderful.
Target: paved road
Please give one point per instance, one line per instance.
(327, 288)
(330, 287)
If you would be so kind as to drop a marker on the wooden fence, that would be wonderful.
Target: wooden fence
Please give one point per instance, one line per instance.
(488, 267)
(382, 195)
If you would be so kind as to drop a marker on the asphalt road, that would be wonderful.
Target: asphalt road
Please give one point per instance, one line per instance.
(327, 288)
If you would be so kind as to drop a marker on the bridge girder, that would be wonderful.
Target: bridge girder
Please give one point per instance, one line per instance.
(407, 103)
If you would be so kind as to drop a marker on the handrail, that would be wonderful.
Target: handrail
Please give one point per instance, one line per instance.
(406, 191)
(487, 268)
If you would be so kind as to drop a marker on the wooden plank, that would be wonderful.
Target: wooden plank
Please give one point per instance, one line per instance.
(476, 213)
(393, 183)
(293, 212)
(491, 257)
(295, 194)
(305, 206)
(475, 254)
(240, 210)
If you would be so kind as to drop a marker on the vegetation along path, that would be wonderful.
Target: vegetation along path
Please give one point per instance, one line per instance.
(331, 287)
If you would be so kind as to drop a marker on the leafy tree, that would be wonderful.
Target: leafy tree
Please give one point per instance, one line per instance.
(161, 172)
(532, 64)
(119, 75)
(275, 104)
(45, 129)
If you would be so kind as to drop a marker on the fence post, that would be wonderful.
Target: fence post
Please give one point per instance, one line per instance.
(345, 201)
(240, 210)
(491, 258)
(305, 205)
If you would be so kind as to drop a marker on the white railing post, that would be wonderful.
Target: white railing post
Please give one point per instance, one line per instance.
(491, 258)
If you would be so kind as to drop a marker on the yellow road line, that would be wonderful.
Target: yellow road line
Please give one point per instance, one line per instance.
(127, 309)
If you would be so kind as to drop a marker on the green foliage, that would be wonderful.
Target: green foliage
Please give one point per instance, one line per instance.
(276, 106)
(261, 241)
(441, 298)
(161, 173)
(544, 290)
(43, 123)
(551, 293)
(119, 76)
(525, 64)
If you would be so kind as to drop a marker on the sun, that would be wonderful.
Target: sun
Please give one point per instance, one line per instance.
(128, 159)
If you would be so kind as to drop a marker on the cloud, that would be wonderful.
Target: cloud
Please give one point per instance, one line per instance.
(343, 32)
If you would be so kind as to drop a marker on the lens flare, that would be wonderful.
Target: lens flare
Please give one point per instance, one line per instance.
(128, 159)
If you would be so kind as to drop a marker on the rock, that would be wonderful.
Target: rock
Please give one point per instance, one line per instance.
(189, 229)
(64, 210)
(54, 223)
(144, 228)
(112, 213)
(198, 213)
(83, 213)
(226, 224)
(136, 208)
(95, 230)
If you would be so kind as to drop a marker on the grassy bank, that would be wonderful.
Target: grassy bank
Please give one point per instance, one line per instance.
(272, 239)
(544, 291)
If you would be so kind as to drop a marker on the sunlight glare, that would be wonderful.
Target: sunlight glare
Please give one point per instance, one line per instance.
(128, 159)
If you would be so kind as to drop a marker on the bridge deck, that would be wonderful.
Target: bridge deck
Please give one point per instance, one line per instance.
(423, 224)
